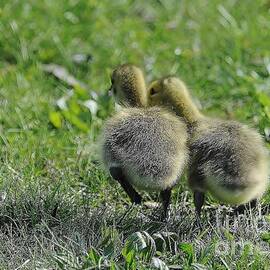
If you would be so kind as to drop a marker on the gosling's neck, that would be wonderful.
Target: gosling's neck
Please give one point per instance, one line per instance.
(184, 107)
(141, 93)
(138, 97)
(135, 100)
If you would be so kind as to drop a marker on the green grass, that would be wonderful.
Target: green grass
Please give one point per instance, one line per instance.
(58, 210)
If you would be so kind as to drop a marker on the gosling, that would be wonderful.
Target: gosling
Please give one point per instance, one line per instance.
(227, 158)
(143, 148)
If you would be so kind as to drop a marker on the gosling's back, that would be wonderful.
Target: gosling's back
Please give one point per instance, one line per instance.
(149, 144)
(233, 159)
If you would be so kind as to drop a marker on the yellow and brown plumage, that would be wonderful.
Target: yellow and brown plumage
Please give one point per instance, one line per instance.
(145, 142)
(227, 158)
(129, 81)
(142, 148)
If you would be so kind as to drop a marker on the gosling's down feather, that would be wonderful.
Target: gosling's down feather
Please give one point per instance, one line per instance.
(232, 158)
(146, 144)
(143, 148)
(128, 86)
(227, 158)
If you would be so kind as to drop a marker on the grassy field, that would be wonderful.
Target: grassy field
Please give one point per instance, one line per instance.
(58, 210)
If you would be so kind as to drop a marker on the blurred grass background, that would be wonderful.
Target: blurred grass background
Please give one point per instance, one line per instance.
(57, 208)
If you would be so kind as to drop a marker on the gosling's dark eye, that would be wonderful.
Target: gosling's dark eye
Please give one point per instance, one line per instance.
(153, 91)
(112, 81)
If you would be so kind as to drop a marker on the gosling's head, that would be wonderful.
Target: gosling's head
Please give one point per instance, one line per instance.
(173, 93)
(163, 91)
(128, 86)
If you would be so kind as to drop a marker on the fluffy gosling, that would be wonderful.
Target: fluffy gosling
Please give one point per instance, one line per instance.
(143, 148)
(227, 158)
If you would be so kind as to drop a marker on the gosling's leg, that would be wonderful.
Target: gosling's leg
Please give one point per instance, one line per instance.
(165, 196)
(198, 201)
(196, 182)
(118, 175)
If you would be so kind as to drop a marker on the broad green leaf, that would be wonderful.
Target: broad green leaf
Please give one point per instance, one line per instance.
(56, 119)
(142, 244)
(76, 121)
(74, 106)
(81, 92)
(264, 99)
